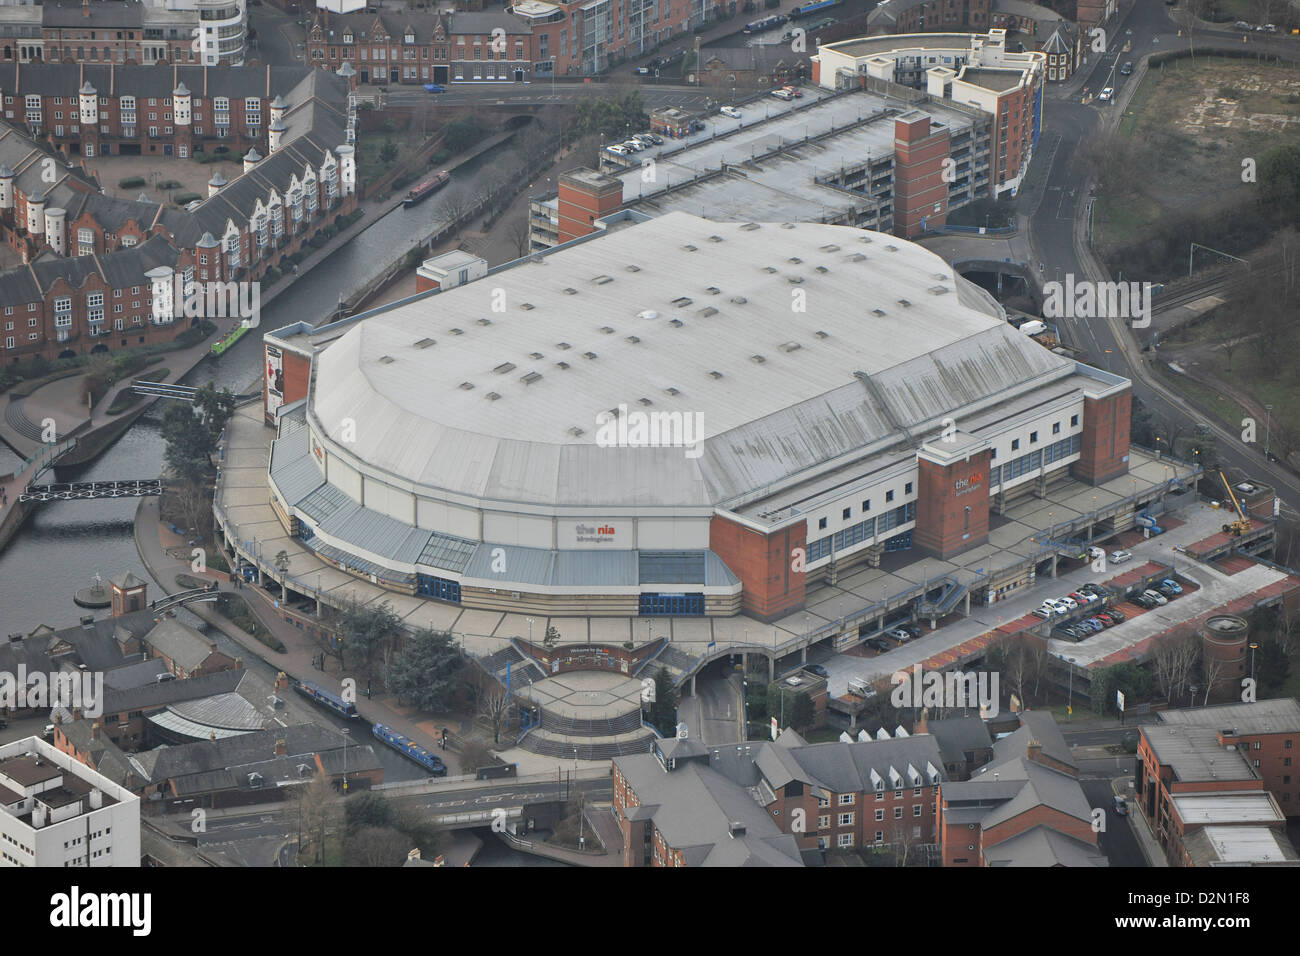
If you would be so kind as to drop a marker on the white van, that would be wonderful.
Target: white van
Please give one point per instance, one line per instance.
(1033, 327)
(859, 688)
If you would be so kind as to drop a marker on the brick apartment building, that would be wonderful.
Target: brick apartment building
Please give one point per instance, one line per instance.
(1229, 765)
(1024, 808)
(99, 270)
(930, 16)
(443, 48)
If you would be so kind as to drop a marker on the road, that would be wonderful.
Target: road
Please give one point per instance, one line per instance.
(543, 93)
(714, 715)
(1058, 235)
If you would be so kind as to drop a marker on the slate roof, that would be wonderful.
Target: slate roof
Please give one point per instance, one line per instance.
(958, 736)
(208, 763)
(156, 696)
(106, 757)
(899, 762)
(1043, 846)
(179, 643)
(133, 676)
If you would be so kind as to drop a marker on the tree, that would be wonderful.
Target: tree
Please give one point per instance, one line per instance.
(475, 754)
(282, 565)
(317, 809)
(195, 504)
(388, 153)
(192, 431)
(425, 671)
(802, 712)
(367, 810)
(462, 133)
(366, 633)
(494, 706)
(376, 846)
(519, 235)
(663, 709)
(1174, 657)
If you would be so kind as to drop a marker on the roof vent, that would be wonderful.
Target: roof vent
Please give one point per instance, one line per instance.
(708, 311)
(787, 225)
(676, 323)
(791, 347)
(856, 257)
(563, 346)
(864, 238)
(689, 248)
(467, 386)
(892, 248)
(681, 302)
(590, 355)
(672, 391)
(633, 339)
(644, 401)
(737, 300)
(822, 335)
(531, 377)
(456, 331)
(485, 322)
(823, 270)
(715, 374)
(750, 226)
(713, 290)
(757, 359)
(602, 280)
(648, 314)
(570, 291)
(527, 306)
(607, 330)
(633, 268)
(492, 396)
(941, 277)
(562, 365)
(386, 360)
(504, 367)
(794, 280)
(830, 247)
(715, 238)
(794, 260)
(938, 290)
(576, 432)
(425, 343)
(769, 269)
(536, 355)
(904, 303)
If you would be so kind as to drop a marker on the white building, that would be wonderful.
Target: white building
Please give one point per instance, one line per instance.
(55, 811)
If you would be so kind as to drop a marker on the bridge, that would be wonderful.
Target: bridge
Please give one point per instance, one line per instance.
(79, 490)
(183, 393)
(192, 596)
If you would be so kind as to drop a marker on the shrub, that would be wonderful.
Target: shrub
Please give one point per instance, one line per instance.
(184, 199)
(168, 184)
(131, 182)
(271, 275)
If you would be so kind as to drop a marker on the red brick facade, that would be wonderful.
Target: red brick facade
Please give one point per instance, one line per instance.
(1107, 424)
(919, 188)
(764, 564)
(582, 203)
(954, 511)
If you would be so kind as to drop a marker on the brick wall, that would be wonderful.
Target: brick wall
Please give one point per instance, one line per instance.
(763, 564)
(944, 525)
(1106, 425)
(918, 175)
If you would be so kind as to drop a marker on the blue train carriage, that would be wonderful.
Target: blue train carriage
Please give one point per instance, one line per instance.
(405, 745)
(319, 695)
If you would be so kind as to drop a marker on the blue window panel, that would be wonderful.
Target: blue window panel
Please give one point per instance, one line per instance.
(901, 542)
(440, 589)
(654, 604)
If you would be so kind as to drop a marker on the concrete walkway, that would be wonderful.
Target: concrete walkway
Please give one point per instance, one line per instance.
(159, 547)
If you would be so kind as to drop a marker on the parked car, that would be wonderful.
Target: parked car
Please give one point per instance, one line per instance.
(1069, 602)
(1141, 600)
(1055, 606)
(899, 635)
(1099, 622)
(618, 150)
(1112, 616)
(1156, 596)
(633, 145)
(879, 644)
(1167, 591)
(730, 111)
(783, 94)
(1121, 807)
(648, 139)
(1241, 25)
(434, 88)
(793, 91)
(1106, 94)
(1096, 590)
(643, 71)
(816, 669)
(911, 628)
(1043, 612)
(1172, 585)
(1073, 631)
(1119, 557)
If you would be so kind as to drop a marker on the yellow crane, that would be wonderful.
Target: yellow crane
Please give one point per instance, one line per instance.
(1242, 522)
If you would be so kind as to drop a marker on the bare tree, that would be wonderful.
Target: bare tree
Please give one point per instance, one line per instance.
(377, 846)
(907, 837)
(494, 707)
(457, 205)
(1211, 670)
(520, 236)
(317, 811)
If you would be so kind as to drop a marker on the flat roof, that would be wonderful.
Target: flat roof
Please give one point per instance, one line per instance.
(1195, 754)
(1201, 808)
(1280, 715)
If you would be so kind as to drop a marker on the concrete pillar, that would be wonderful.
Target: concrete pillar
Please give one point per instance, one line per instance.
(1054, 559)
(966, 611)
(803, 654)
(692, 685)
(771, 668)
(318, 606)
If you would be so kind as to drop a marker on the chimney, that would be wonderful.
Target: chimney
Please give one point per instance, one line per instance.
(96, 799)
(212, 646)
(239, 663)
(281, 747)
(58, 718)
(1033, 750)
(212, 735)
(94, 730)
(282, 681)
(85, 9)
(76, 713)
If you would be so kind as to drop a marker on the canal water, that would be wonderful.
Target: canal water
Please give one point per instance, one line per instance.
(63, 545)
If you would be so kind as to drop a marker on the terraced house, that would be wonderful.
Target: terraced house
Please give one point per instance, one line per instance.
(426, 48)
(98, 270)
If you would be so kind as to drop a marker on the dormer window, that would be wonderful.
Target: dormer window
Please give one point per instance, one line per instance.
(347, 37)
(410, 36)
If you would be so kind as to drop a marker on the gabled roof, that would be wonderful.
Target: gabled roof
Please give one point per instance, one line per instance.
(1043, 846)
(179, 643)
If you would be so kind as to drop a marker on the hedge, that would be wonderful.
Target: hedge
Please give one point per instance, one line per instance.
(184, 199)
(131, 182)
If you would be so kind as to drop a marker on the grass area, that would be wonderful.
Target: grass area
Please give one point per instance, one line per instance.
(1246, 375)
(1228, 412)
(1190, 124)
(822, 735)
(370, 163)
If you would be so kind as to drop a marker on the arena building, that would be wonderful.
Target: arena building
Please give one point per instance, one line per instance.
(674, 416)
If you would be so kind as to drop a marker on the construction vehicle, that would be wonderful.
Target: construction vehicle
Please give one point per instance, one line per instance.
(1242, 523)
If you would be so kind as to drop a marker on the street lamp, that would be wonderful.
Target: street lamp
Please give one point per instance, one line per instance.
(1069, 704)
(530, 630)
(346, 732)
(1254, 646)
(1268, 415)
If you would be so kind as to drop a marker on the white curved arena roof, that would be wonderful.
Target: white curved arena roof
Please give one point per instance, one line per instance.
(761, 329)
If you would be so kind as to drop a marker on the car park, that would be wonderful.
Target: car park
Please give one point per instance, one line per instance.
(1153, 595)
(816, 669)
(1172, 585)
(1119, 557)
(730, 111)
